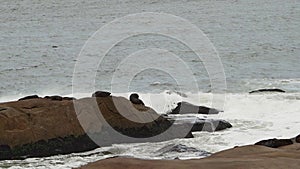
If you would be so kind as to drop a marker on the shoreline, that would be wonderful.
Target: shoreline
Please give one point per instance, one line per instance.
(246, 157)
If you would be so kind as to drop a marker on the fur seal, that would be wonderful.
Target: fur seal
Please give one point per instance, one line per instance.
(101, 94)
(57, 98)
(134, 98)
(30, 97)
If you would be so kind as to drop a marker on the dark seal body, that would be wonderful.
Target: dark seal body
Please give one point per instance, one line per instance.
(30, 97)
(134, 98)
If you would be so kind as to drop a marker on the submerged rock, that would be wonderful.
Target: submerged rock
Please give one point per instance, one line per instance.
(275, 143)
(187, 108)
(267, 90)
(180, 149)
(177, 148)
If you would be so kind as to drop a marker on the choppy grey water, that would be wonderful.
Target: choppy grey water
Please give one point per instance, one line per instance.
(258, 42)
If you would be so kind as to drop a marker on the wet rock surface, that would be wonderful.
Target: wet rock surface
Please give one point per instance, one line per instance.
(275, 143)
(267, 90)
(298, 139)
(171, 149)
(196, 124)
(187, 108)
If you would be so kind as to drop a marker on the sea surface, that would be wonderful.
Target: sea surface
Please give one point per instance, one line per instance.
(257, 41)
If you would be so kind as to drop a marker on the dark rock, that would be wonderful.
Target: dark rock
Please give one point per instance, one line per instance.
(221, 125)
(177, 148)
(210, 125)
(196, 124)
(69, 98)
(275, 143)
(189, 135)
(56, 98)
(29, 97)
(5, 152)
(101, 94)
(267, 90)
(187, 108)
(2, 108)
(134, 98)
(106, 152)
(298, 139)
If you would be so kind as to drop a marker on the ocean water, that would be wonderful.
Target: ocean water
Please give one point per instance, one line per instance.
(258, 43)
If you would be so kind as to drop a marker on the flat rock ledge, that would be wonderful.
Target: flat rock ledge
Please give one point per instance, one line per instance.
(188, 108)
(39, 127)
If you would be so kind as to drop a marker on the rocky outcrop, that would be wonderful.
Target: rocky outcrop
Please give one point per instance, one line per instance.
(211, 125)
(267, 90)
(275, 143)
(198, 124)
(246, 157)
(30, 127)
(187, 108)
(35, 127)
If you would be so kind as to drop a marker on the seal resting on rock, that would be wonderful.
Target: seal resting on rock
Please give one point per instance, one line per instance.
(57, 98)
(101, 94)
(134, 98)
(29, 97)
